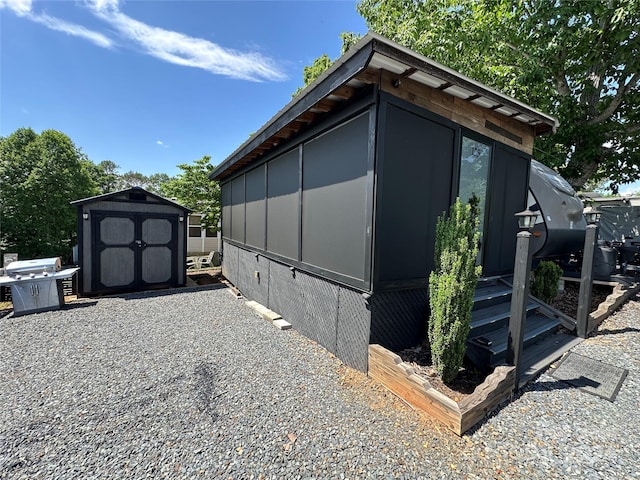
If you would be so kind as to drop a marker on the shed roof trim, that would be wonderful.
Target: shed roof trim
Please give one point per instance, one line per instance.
(107, 196)
(376, 52)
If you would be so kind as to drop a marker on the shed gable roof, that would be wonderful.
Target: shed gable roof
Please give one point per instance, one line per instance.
(360, 66)
(114, 195)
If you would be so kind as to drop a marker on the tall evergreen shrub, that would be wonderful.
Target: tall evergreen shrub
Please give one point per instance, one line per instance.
(452, 285)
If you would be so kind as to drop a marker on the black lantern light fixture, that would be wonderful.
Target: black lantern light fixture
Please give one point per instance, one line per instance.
(592, 215)
(527, 219)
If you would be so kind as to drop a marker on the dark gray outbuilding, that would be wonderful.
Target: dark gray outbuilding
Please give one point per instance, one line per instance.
(130, 240)
(329, 210)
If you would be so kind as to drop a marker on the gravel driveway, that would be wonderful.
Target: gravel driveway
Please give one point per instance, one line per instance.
(192, 384)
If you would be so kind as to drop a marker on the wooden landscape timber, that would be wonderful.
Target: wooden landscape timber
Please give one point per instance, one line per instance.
(401, 378)
(620, 294)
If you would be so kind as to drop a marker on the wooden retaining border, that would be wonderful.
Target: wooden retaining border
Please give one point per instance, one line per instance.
(620, 294)
(401, 378)
(622, 291)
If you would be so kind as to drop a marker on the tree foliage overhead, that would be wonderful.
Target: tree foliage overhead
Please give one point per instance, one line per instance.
(311, 72)
(107, 179)
(193, 189)
(104, 175)
(576, 59)
(39, 176)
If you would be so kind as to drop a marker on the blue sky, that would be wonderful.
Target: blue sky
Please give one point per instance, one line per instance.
(152, 84)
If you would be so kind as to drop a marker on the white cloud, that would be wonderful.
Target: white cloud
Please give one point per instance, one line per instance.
(159, 142)
(22, 8)
(103, 4)
(73, 29)
(181, 49)
(172, 47)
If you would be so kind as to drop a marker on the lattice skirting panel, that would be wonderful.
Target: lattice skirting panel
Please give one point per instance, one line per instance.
(334, 316)
(398, 318)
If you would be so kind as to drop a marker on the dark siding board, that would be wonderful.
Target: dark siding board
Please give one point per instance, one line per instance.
(334, 215)
(283, 204)
(285, 296)
(507, 196)
(226, 209)
(256, 205)
(255, 288)
(237, 209)
(230, 263)
(414, 188)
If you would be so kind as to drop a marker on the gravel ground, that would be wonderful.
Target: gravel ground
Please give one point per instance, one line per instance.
(192, 383)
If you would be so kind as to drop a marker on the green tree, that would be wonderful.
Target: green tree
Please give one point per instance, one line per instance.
(452, 284)
(193, 189)
(131, 179)
(104, 175)
(155, 181)
(311, 72)
(39, 176)
(576, 59)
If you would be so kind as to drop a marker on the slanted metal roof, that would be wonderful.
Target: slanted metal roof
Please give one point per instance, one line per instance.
(348, 75)
(110, 195)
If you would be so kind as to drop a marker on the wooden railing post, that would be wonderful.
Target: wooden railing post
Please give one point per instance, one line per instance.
(586, 281)
(519, 300)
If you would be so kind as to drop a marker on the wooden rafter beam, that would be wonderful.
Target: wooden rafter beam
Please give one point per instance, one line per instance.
(306, 117)
(325, 105)
(370, 75)
(408, 72)
(345, 92)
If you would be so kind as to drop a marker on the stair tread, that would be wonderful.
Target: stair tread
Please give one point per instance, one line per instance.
(535, 325)
(493, 291)
(540, 355)
(498, 311)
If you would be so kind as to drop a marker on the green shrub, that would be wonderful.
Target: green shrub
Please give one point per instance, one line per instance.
(451, 287)
(545, 281)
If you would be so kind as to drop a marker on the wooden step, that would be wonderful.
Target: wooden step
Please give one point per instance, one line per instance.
(486, 296)
(494, 316)
(540, 355)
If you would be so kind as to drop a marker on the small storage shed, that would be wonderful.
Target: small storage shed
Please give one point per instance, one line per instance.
(130, 240)
(329, 210)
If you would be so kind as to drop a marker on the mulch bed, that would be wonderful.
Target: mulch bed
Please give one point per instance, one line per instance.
(206, 278)
(567, 301)
(462, 386)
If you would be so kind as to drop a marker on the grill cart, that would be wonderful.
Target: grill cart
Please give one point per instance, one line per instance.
(36, 285)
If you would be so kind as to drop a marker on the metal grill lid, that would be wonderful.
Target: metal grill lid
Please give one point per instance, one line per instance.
(36, 266)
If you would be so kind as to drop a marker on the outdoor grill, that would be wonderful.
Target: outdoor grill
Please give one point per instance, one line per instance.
(36, 285)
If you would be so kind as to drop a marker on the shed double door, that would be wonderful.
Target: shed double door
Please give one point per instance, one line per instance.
(134, 251)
